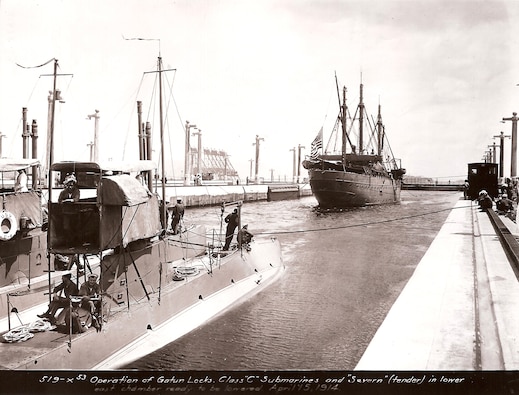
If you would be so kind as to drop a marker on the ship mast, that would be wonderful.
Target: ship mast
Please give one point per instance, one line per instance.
(344, 111)
(361, 119)
(163, 210)
(51, 161)
(380, 131)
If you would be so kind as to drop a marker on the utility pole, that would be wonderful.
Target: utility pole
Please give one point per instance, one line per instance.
(95, 156)
(513, 165)
(271, 175)
(501, 152)
(293, 164)
(493, 157)
(186, 154)
(257, 144)
(299, 147)
(250, 174)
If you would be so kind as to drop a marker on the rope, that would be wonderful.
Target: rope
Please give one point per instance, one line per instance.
(361, 224)
(18, 335)
(40, 326)
(34, 67)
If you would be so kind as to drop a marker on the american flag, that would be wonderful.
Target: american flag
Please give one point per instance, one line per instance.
(317, 145)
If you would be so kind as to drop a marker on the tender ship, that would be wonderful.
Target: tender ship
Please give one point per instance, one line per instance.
(356, 174)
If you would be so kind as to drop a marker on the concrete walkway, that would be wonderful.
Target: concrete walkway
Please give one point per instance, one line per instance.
(460, 308)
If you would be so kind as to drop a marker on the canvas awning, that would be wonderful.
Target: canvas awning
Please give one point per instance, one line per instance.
(128, 167)
(10, 164)
(123, 190)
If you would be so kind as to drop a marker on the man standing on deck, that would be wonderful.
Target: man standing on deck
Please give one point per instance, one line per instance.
(21, 182)
(232, 221)
(178, 214)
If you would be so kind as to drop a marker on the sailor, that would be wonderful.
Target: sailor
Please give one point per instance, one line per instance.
(504, 204)
(485, 201)
(232, 221)
(88, 290)
(178, 214)
(244, 237)
(21, 181)
(70, 194)
(466, 186)
(69, 288)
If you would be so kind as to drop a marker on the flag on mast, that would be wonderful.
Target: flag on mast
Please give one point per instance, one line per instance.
(317, 145)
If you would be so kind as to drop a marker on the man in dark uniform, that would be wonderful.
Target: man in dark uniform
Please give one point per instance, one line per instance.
(178, 213)
(232, 221)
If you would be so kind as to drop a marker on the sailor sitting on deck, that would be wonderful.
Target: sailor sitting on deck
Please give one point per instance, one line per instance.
(90, 292)
(59, 302)
(244, 237)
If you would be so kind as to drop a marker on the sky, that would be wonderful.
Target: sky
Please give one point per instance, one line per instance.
(444, 72)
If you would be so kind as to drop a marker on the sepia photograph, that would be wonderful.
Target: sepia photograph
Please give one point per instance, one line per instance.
(259, 196)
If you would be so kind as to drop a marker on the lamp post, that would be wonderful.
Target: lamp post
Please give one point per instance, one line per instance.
(513, 165)
(493, 157)
(501, 137)
(186, 154)
(257, 144)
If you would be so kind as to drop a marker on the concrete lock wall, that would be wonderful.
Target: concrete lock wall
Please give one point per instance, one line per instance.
(211, 195)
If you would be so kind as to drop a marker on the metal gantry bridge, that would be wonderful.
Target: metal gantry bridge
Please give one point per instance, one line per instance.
(212, 165)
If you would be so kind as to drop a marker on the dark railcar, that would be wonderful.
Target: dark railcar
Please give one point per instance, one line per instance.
(482, 176)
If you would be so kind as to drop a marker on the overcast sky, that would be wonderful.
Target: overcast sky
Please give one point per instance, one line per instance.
(445, 73)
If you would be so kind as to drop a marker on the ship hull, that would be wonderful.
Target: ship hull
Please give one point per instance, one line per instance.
(23, 258)
(343, 189)
(143, 325)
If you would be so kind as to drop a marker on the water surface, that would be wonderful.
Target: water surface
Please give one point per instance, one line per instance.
(344, 270)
